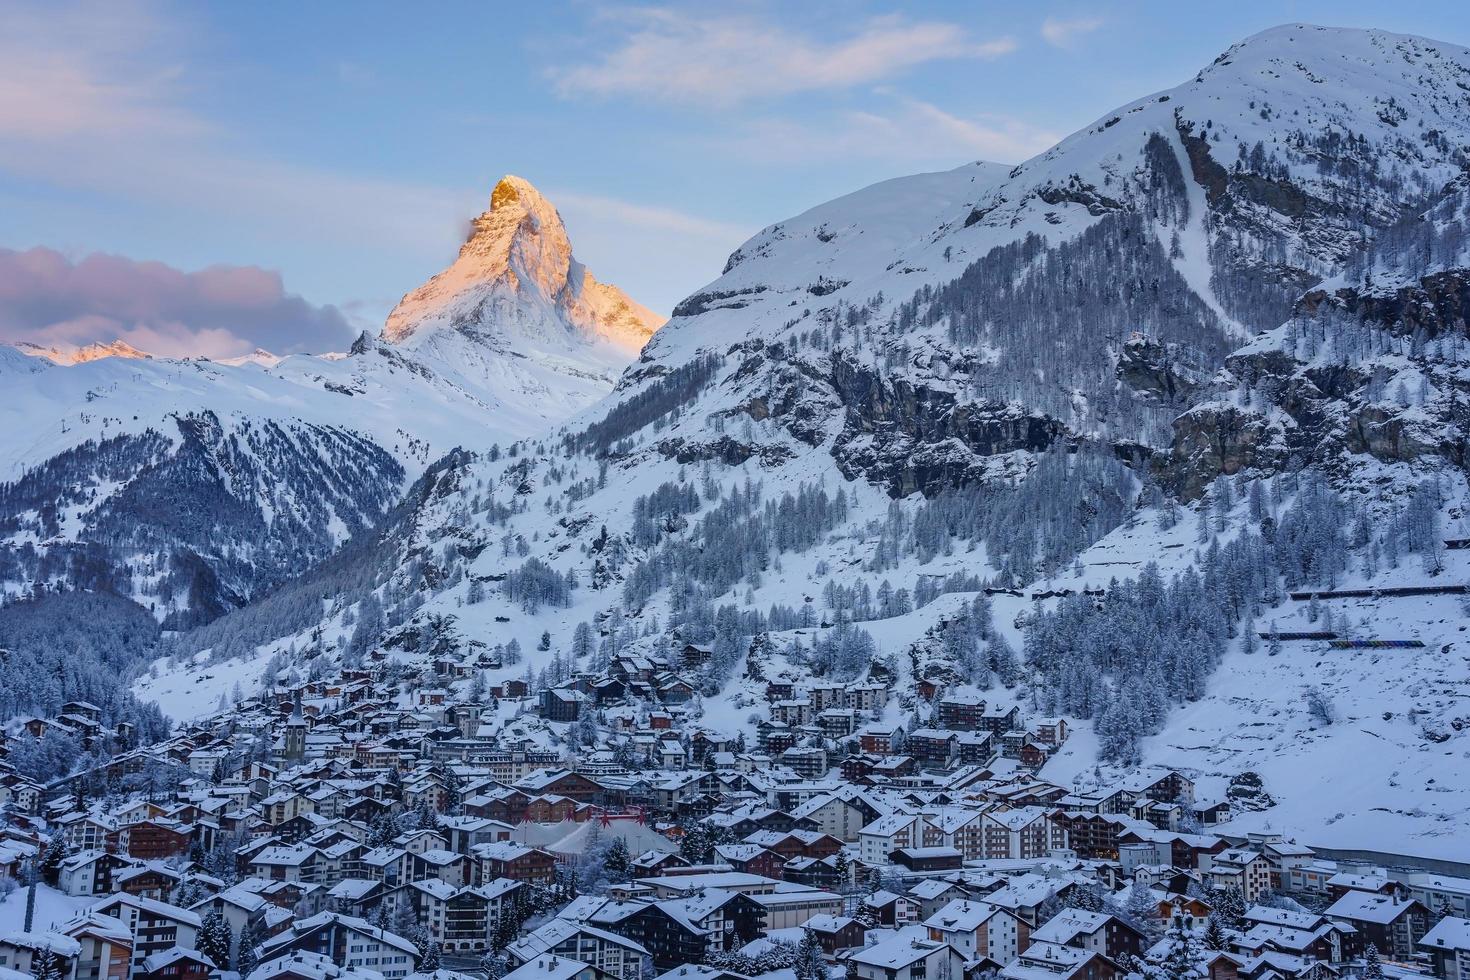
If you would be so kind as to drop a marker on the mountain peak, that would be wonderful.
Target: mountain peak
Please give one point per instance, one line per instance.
(94, 351)
(511, 191)
(517, 287)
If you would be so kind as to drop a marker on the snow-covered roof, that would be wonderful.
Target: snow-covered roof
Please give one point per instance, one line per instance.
(1448, 933)
(1367, 907)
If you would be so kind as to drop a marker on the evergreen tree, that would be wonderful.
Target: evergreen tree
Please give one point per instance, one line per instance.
(51, 859)
(1215, 937)
(46, 965)
(618, 861)
(1372, 964)
(245, 959)
(811, 961)
(1180, 962)
(214, 939)
(695, 846)
(433, 957)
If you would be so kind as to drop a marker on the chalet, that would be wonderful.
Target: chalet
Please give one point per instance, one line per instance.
(809, 763)
(155, 926)
(348, 942)
(298, 862)
(176, 964)
(879, 739)
(617, 956)
(1062, 962)
(560, 782)
(883, 836)
(390, 865)
(904, 958)
(607, 690)
(1448, 948)
(1050, 731)
(518, 862)
(241, 909)
(1025, 832)
(1393, 924)
(932, 746)
(1168, 787)
(154, 880)
(155, 839)
(834, 814)
(999, 719)
(89, 872)
(835, 932)
(928, 858)
(977, 929)
(1032, 755)
(752, 859)
(560, 704)
(1247, 871)
(888, 909)
(675, 690)
(975, 749)
(1096, 932)
(837, 723)
(961, 713)
(445, 866)
(105, 947)
(354, 896)
(33, 953)
(780, 691)
(687, 930)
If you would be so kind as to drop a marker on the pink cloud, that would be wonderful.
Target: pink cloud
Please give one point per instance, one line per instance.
(47, 298)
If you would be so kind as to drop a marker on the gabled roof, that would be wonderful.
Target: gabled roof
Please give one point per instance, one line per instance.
(1369, 907)
(1448, 933)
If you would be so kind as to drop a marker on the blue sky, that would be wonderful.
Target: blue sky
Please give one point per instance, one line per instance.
(344, 146)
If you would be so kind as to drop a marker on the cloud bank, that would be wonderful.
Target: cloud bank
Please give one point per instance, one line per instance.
(222, 311)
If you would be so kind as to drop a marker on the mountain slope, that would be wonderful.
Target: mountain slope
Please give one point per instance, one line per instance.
(1194, 217)
(900, 424)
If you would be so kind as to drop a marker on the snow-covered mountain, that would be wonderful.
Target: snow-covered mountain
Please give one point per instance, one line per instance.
(1069, 433)
(934, 324)
(518, 314)
(83, 354)
(276, 461)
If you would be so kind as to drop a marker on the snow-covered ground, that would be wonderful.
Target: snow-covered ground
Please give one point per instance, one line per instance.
(53, 908)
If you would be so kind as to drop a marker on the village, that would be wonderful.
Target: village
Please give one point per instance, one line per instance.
(406, 819)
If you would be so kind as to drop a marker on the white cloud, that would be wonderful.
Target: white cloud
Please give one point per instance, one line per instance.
(912, 134)
(673, 56)
(1064, 32)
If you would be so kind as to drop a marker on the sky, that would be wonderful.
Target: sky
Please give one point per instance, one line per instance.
(207, 178)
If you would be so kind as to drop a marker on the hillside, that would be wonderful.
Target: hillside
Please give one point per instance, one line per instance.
(1031, 380)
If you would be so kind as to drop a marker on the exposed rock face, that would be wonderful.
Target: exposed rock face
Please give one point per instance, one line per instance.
(1277, 407)
(1153, 369)
(913, 437)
